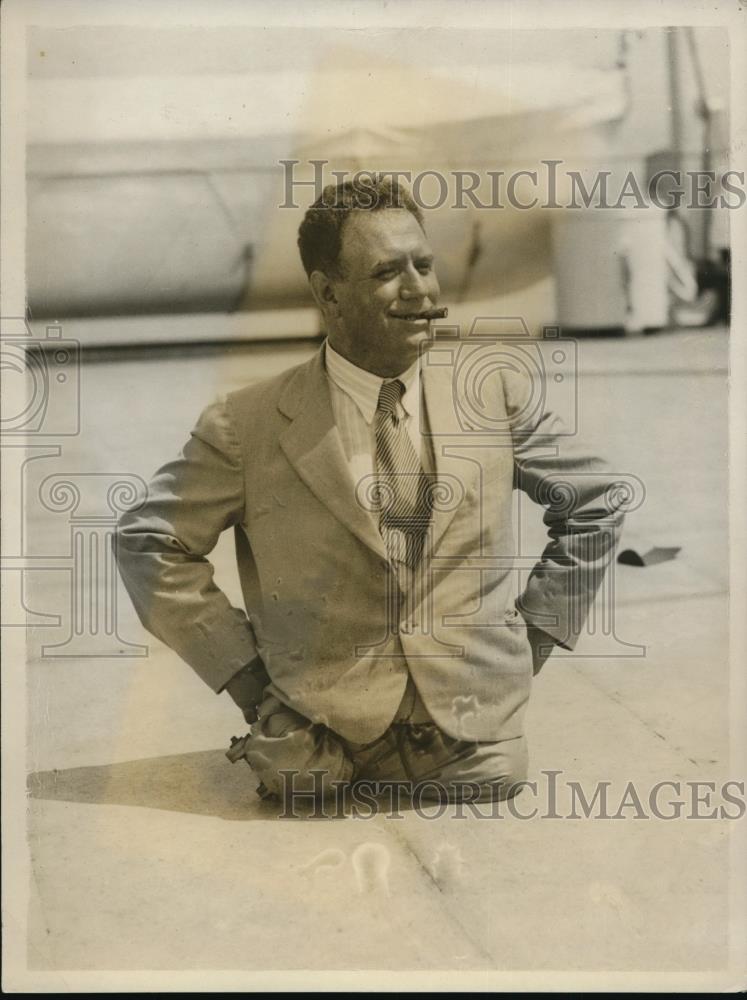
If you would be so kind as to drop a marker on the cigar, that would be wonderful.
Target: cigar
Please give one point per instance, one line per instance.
(441, 313)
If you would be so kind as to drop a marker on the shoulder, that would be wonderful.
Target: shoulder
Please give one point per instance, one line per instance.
(278, 391)
(264, 391)
(262, 408)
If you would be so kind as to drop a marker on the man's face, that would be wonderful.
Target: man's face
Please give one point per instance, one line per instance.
(387, 279)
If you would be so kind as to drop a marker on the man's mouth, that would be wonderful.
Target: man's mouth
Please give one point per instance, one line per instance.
(410, 317)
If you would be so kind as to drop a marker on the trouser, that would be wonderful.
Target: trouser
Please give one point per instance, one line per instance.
(289, 754)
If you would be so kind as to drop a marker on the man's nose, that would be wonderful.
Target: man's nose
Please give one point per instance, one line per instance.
(414, 284)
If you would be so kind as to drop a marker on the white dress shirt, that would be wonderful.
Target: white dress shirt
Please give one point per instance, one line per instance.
(355, 397)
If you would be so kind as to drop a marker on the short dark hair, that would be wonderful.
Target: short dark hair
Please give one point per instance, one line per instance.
(320, 233)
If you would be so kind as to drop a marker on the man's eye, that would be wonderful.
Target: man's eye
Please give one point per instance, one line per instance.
(386, 275)
(425, 266)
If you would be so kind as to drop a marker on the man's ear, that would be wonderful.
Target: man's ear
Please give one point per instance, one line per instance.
(323, 291)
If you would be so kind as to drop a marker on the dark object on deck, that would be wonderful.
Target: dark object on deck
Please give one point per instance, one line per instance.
(716, 275)
(647, 555)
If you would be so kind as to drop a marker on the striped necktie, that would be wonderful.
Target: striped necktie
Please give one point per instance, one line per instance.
(404, 488)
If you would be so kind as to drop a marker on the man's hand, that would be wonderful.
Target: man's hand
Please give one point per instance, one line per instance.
(246, 688)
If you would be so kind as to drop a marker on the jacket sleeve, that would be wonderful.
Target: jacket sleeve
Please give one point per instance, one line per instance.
(161, 548)
(583, 515)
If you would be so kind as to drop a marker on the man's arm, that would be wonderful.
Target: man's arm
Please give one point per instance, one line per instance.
(582, 516)
(161, 548)
(247, 686)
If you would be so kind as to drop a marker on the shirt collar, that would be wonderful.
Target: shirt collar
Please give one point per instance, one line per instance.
(364, 387)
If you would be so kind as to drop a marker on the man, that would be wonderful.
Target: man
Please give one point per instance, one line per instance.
(374, 540)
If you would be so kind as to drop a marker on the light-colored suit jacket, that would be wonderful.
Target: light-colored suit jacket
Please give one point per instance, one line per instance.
(322, 605)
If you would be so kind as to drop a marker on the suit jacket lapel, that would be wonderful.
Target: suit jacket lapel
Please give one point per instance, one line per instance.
(457, 476)
(313, 446)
